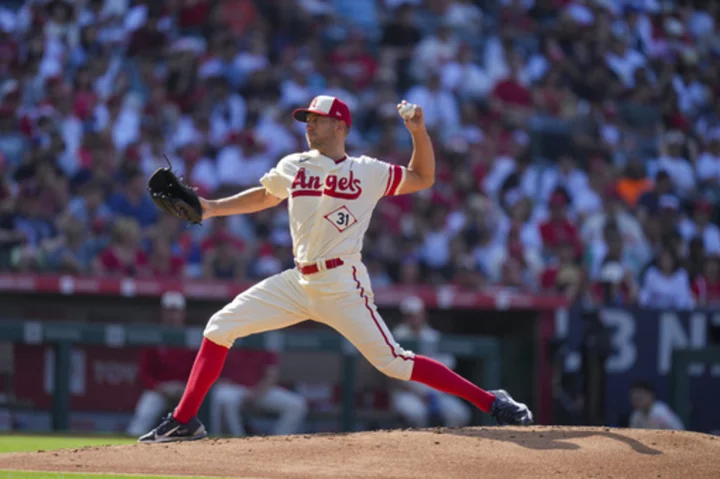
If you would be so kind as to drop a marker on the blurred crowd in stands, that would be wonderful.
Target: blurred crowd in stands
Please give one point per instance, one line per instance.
(578, 141)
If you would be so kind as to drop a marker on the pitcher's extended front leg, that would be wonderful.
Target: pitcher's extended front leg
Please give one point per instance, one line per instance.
(274, 303)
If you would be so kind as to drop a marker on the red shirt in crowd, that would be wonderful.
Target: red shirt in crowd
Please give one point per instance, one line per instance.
(172, 268)
(112, 263)
(512, 92)
(556, 232)
(159, 365)
(248, 367)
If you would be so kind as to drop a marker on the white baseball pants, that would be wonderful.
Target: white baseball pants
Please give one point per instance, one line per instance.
(227, 401)
(341, 298)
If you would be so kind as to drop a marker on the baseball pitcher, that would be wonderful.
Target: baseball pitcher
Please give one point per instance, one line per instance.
(331, 197)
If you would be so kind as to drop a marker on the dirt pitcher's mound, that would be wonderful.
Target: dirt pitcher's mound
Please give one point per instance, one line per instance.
(413, 454)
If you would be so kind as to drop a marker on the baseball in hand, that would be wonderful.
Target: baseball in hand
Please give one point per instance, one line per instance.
(407, 110)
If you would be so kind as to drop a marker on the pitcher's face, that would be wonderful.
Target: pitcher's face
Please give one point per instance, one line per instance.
(321, 131)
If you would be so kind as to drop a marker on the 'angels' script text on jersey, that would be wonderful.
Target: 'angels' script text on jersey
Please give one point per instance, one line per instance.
(346, 188)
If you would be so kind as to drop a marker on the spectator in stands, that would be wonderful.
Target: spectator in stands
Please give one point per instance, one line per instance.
(164, 263)
(124, 255)
(399, 39)
(133, 201)
(558, 228)
(711, 279)
(649, 202)
(249, 381)
(708, 163)
(222, 260)
(415, 403)
(605, 88)
(675, 157)
(564, 274)
(73, 250)
(667, 284)
(615, 211)
(163, 370)
(89, 208)
(701, 225)
(649, 412)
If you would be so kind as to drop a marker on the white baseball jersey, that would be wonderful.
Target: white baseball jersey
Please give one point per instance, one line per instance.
(330, 203)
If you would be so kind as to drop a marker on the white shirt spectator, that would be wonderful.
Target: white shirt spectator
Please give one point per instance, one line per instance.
(633, 237)
(186, 132)
(580, 13)
(586, 202)
(598, 254)
(126, 129)
(71, 129)
(228, 116)
(52, 60)
(279, 139)
(502, 167)
(624, 66)
(249, 62)
(433, 53)
(536, 68)
(294, 93)
(465, 16)
(467, 79)
(701, 24)
(691, 97)
(136, 17)
(529, 233)
(104, 85)
(681, 172)
(204, 173)
(490, 257)
(660, 291)
(642, 31)
(660, 416)
(708, 167)
(574, 182)
(710, 235)
(237, 169)
(435, 250)
(439, 108)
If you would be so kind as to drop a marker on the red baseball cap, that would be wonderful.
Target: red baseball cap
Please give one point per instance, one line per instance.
(326, 106)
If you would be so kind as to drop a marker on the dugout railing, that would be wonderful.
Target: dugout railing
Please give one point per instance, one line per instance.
(63, 335)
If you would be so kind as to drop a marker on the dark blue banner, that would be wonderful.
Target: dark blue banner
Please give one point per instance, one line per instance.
(641, 347)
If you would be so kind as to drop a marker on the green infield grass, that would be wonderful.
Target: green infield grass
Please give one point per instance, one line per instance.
(30, 442)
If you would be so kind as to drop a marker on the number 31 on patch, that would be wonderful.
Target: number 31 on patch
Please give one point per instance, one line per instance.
(341, 218)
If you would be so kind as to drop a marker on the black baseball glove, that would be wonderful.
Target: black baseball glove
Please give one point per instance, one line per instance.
(173, 196)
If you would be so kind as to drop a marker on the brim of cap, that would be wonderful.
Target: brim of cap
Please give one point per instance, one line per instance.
(301, 114)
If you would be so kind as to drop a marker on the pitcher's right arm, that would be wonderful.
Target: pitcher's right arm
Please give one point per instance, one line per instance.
(251, 200)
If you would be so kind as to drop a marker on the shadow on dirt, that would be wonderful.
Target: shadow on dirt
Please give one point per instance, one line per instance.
(553, 439)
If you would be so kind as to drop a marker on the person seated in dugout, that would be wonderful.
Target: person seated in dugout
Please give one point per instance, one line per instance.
(162, 370)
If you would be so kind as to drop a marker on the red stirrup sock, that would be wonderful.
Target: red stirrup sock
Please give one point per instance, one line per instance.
(205, 371)
(438, 376)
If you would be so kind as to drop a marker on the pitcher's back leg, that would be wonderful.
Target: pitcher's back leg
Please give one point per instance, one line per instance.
(354, 315)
